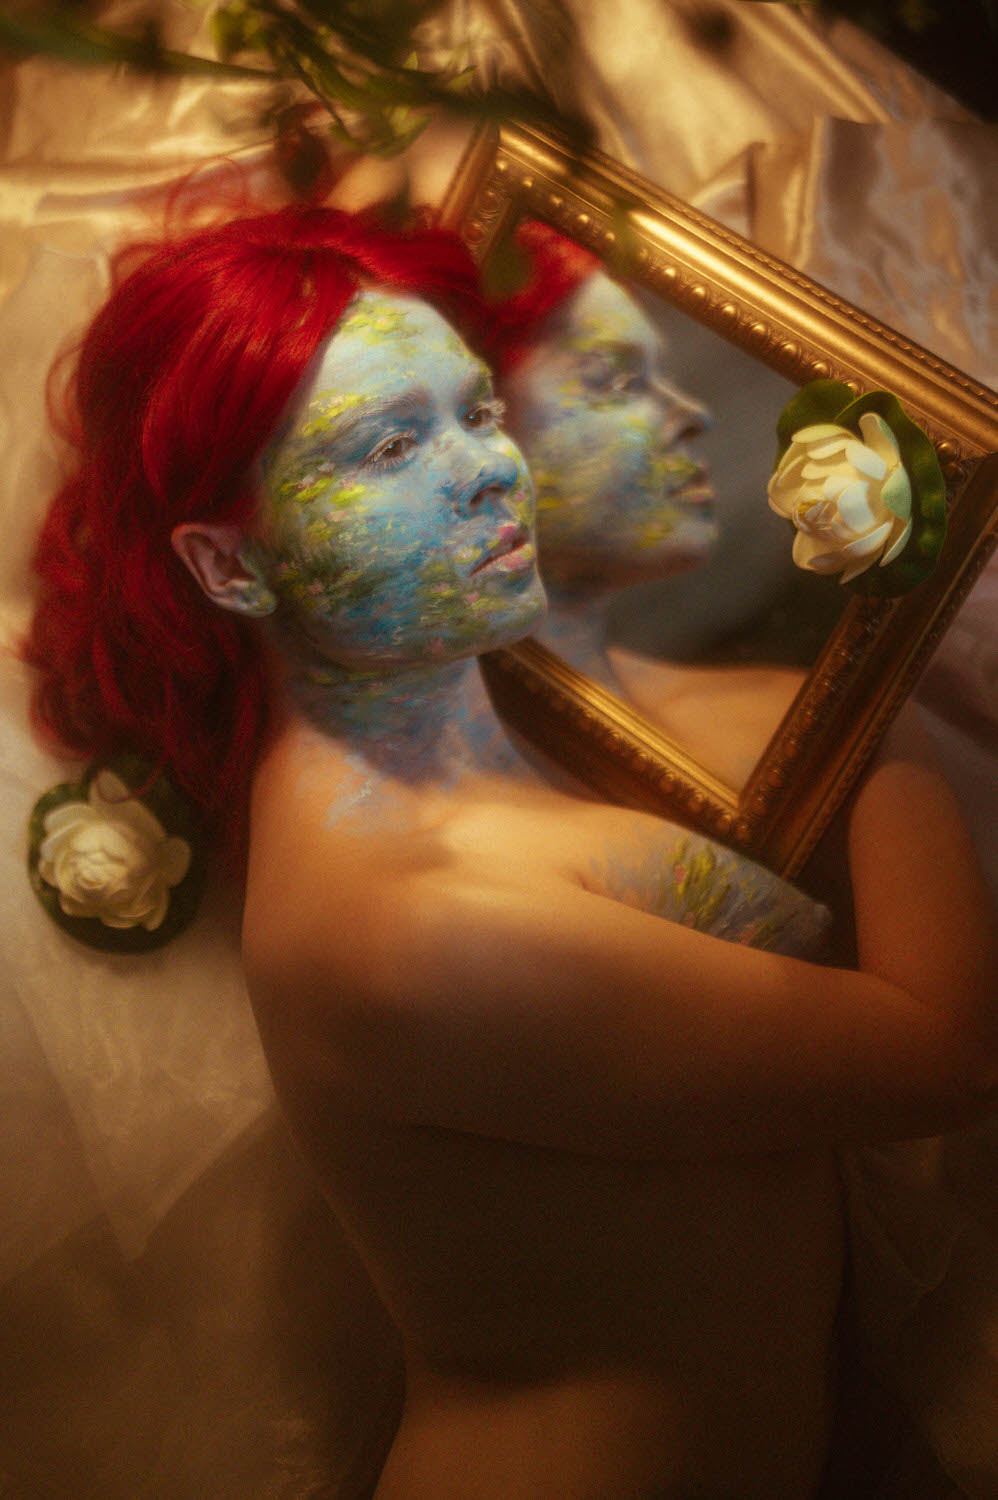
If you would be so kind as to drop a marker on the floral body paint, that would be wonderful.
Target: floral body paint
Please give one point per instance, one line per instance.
(700, 884)
(397, 524)
(619, 499)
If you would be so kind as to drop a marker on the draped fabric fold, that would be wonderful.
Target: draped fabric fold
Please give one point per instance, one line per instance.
(897, 218)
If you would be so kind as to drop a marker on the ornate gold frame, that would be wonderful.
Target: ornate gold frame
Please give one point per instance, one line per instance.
(873, 657)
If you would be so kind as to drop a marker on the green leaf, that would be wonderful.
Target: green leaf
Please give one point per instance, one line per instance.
(820, 401)
(50, 34)
(405, 126)
(236, 28)
(50, 37)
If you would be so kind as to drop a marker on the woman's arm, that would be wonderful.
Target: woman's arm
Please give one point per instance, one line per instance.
(532, 1010)
(924, 916)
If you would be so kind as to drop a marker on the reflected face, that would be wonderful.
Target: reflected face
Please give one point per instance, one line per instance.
(619, 499)
(397, 518)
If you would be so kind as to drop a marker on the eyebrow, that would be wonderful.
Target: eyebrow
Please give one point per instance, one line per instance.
(341, 426)
(480, 383)
(618, 348)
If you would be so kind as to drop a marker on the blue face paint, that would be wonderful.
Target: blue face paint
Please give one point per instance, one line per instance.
(619, 498)
(397, 519)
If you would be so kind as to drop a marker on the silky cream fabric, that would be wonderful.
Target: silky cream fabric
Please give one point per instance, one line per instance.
(181, 1315)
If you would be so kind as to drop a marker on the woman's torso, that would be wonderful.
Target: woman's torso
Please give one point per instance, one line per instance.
(575, 1325)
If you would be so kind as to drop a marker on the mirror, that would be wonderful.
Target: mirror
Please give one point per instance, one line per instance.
(651, 441)
(812, 671)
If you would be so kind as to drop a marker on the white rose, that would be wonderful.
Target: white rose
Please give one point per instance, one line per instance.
(110, 858)
(849, 500)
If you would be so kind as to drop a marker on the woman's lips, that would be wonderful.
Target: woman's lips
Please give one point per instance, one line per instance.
(696, 491)
(511, 552)
(517, 560)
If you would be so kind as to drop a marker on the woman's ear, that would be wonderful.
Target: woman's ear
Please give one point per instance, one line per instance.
(220, 560)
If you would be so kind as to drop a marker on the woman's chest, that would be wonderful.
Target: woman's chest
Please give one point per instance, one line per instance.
(645, 862)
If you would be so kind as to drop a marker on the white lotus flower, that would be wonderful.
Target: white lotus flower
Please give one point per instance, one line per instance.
(109, 857)
(849, 500)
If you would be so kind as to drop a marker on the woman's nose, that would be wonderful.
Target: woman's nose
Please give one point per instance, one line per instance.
(684, 417)
(491, 476)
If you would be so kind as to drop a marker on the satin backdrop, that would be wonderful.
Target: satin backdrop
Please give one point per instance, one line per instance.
(180, 1313)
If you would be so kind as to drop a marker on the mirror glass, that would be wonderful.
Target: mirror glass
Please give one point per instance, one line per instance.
(713, 643)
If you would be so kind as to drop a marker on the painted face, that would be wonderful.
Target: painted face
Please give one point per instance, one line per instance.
(397, 523)
(618, 497)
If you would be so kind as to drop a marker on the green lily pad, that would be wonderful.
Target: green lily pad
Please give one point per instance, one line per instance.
(928, 496)
(820, 401)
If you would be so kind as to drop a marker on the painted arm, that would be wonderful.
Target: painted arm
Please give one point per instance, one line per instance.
(541, 1013)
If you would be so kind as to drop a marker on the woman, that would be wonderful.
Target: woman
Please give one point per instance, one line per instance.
(586, 1153)
(622, 497)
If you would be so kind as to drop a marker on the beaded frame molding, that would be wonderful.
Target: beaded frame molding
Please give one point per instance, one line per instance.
(874, 655)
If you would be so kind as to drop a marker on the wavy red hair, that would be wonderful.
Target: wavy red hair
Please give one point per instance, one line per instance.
(555, 268)
(181, 379)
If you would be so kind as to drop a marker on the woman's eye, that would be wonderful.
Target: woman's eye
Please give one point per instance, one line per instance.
(607, 381)
(392, 451)
(485, 414)
(623, 382)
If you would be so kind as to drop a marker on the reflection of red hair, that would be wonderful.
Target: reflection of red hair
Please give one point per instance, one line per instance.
(182, 378)
(556, 266)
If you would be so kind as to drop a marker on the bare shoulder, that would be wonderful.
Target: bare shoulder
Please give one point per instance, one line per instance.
(688, 700)
(343, 862)
(730, 682)
(326, 848)
(350, 877)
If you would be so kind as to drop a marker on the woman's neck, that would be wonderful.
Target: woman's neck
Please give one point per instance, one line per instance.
(575, 626)
(420, 723)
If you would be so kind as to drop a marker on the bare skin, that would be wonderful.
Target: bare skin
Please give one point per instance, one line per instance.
(576, 1323)
(688, 702)
(611, 1236)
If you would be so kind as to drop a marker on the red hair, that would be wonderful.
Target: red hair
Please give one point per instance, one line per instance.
(181, 380)
(556, 267)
